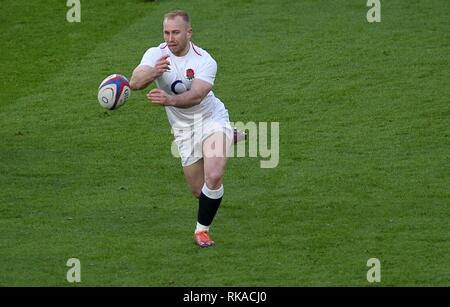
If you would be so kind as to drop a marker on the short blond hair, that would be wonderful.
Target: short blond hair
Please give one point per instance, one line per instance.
(181, 13)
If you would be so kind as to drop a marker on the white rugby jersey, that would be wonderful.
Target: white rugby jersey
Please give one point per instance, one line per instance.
(196, 64)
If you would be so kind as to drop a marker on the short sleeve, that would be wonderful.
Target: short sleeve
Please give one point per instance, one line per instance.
(150, 57)
(208, 71)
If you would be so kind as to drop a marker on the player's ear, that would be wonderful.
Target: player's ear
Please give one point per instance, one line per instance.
(189, 32)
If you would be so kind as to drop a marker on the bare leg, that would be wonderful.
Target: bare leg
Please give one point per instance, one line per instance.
(215, 155)
(195, 177)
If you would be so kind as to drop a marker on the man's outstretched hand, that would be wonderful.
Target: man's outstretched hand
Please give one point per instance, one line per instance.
(158, 96)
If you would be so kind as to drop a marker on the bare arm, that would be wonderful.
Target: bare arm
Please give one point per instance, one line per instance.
(143, 75)
(194, 96)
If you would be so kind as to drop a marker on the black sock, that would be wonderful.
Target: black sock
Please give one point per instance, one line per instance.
(207, 209)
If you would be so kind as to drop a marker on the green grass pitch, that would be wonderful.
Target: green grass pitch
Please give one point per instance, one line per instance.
(364, 168)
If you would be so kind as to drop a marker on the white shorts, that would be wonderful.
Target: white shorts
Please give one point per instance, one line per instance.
(189, 141)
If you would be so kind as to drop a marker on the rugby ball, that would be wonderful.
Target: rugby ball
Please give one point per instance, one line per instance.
(113, 92)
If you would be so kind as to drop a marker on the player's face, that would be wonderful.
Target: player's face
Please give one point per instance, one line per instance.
(177, 35)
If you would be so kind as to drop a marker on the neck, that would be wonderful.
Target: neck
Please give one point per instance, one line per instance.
(185, 50)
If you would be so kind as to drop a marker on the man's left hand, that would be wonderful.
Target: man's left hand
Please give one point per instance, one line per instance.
(160, 97)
